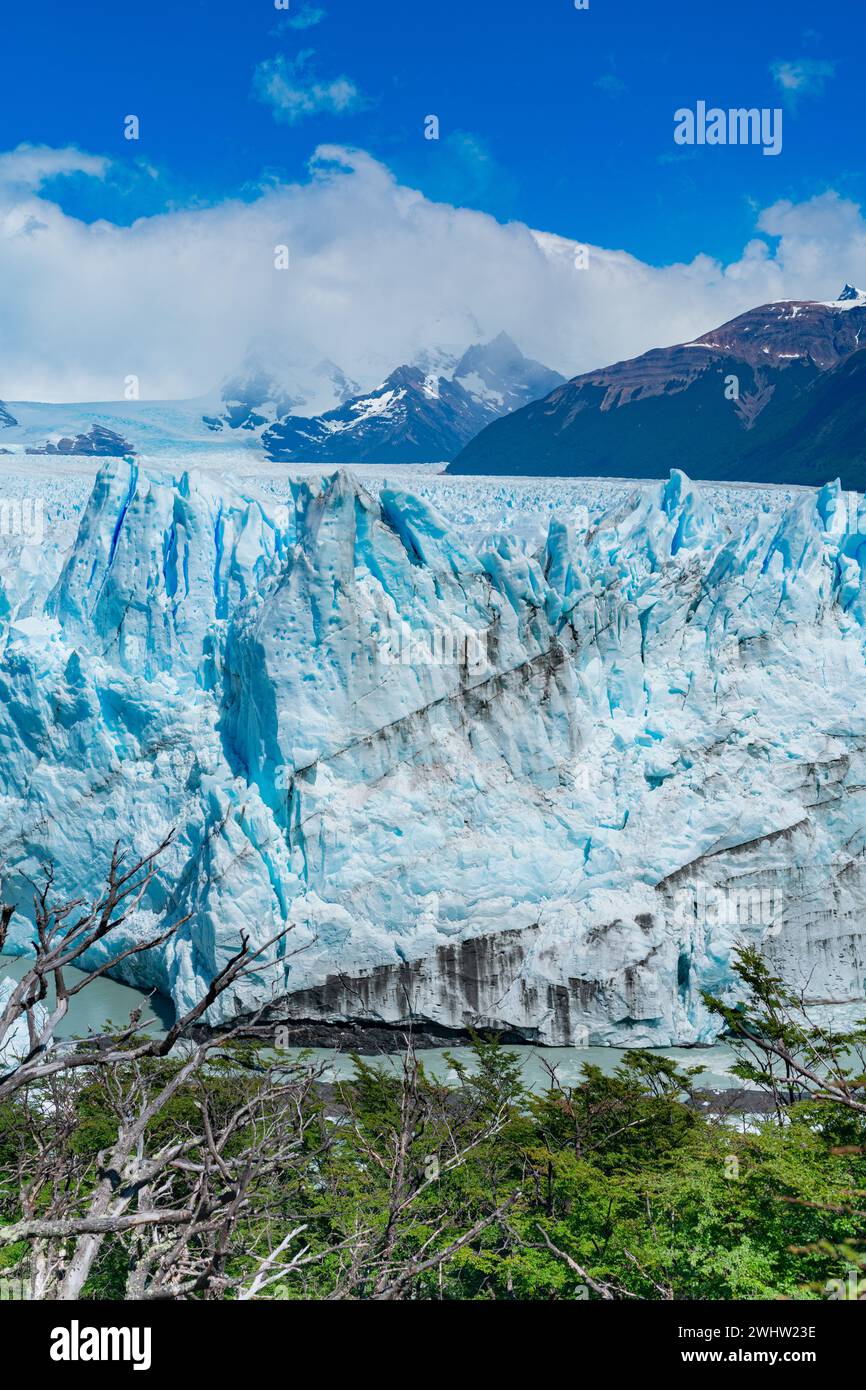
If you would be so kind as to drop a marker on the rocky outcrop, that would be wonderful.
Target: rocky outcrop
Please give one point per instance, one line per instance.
(98, 440)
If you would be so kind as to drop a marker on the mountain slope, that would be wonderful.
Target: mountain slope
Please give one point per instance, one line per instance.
(678, 407)
(410, 418)
(821, 433)
(415, 415)
(141, 427)
(229, 418)
(255, 395)
(421, 413)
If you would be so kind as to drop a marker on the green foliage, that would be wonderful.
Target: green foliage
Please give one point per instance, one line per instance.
(783, 1049)
(478, 1190)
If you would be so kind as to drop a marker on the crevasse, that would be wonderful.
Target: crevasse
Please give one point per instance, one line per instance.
(661, 754)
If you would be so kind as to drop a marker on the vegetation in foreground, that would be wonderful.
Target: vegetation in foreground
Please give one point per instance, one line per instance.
(152, 1169)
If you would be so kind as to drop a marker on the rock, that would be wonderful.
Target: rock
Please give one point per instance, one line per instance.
(98, 440)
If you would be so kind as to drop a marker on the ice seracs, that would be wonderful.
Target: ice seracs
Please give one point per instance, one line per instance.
(661, 753)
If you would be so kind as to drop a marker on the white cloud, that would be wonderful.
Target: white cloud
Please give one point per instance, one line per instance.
(29, 166)
(377, 273)
(292, 90)
(305, 17)
(801, 77)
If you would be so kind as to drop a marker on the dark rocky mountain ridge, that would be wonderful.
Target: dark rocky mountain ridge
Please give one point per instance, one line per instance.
(771, 396)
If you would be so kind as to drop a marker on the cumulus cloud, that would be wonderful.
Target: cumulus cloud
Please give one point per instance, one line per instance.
(29, 166)
(801, 77)
(824, 236)
(292, 90)
(378, 273)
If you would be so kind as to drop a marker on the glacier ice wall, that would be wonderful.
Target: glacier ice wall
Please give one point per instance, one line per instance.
(546, 791)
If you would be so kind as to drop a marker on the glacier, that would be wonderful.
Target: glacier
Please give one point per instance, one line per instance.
(494, 778)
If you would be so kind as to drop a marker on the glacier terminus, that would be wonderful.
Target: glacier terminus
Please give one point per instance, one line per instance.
(655, 751)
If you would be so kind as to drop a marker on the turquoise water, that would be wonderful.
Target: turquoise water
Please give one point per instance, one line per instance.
(567, 1061)
(107, 1001)
(103, 1001)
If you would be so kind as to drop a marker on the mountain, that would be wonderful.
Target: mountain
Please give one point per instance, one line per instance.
(416, 415)
(424, 412)
(544, 792)
(773, 396)
(255, 396)
(231, 417)
(497, 373)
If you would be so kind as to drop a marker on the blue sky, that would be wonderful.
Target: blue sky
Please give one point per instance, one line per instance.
(262, 127)
(556, 117)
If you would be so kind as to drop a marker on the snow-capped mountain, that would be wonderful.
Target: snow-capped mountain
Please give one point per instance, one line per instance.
(499, 376)
(411, 418)
(418, 414)
(773, 396)
(543, 790)
(421, 413)
(231, 417)
(255, 396)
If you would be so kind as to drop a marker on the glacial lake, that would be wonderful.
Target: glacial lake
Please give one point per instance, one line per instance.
(110, 1001)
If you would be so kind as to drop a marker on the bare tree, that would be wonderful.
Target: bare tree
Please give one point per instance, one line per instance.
(427, 1133)
(218, 1167)
(60, 944)
(177, 1200)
